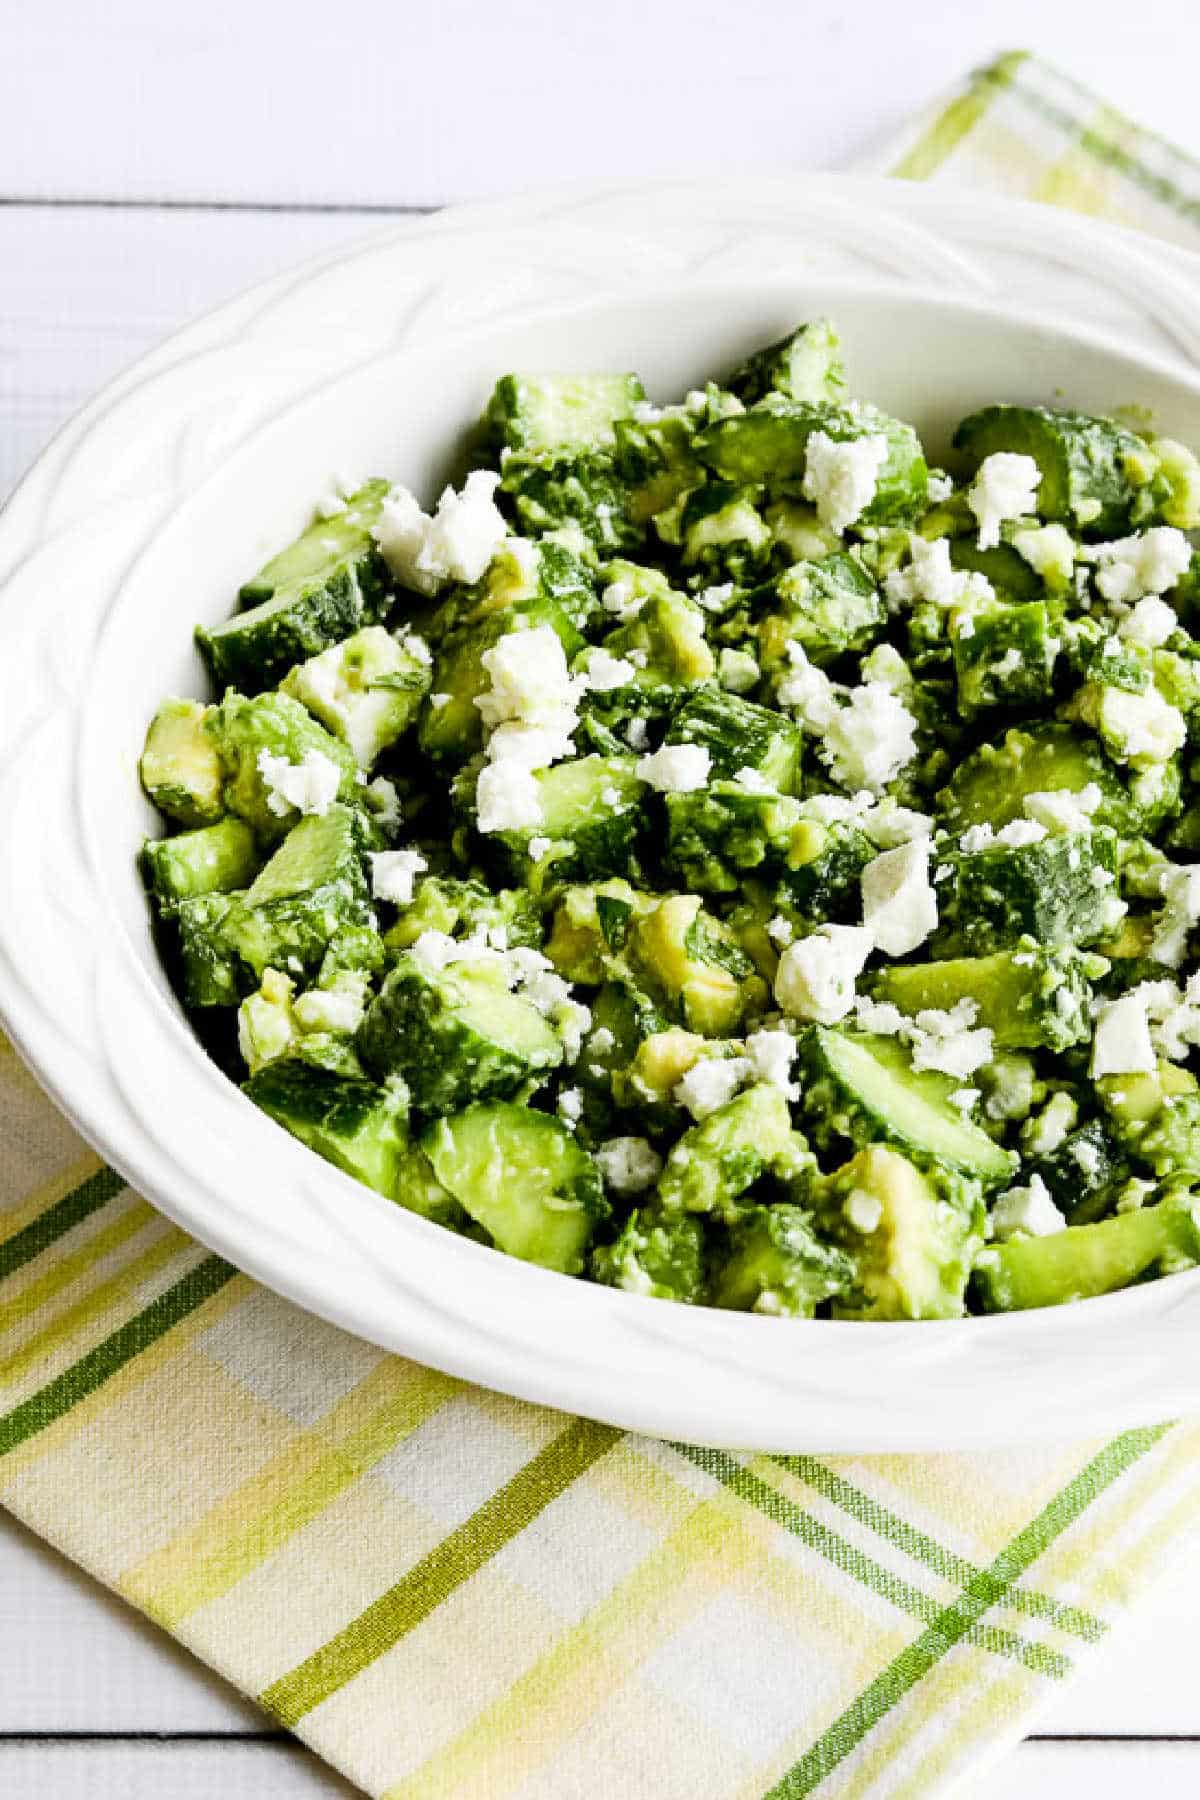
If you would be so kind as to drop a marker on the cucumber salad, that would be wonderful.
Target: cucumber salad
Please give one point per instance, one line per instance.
(717, 854)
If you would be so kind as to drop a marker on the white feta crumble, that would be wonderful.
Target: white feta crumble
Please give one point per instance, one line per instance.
(1180, 890)
(602, 1040)
(605, 672)
(530, 683)
(620, 599)
(1049, 550)
(537, 848)
(456, 544)
(1005, 487)
(841, 478)
(393, 873)
(715, 599)
(676, 768)
(807, 690)
(815, 979)
(888, 825)
(976, 838)
(310, 786)
(384, 801)
(938, 488)
(416, 647)
(507, 797)
(1018, 834)
(753, 781)
(570, 1105)
(899, 904)
(437, 701)
(629, 1165)
(1141, 727)
(637, 734)
(931, 577)
(880, 1018)
(780, 930)
(338, 1009)
(738, 671)
(1150, 622)
(965, 1098)
(771, 1054)
(1150, 562)
(945, 1040)
(867, 743)
(1061, 810)
(1045, 1134)
(1026, 1212)
(886, 665)
(863, 1211)
(1121, 1043)
(433, 950)
(709, 1083)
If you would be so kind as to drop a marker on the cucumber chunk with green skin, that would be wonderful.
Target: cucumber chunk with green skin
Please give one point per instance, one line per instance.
(455, 1034)
(243, 727)
(211, 973)
(821, 877)
(991, 785)
(342, 541)
(721, 534)
(254, 649)
(655, 1253)
(359, 1127)
(717, 1160)
(806, 365)
(557, 412)
(668, 633)
(310, 890)
(1082, 1261)
(1083, 461)
(419, 1190)
(1004, 656)
(657, 460)
(180, 767)
(718, 833)
(451, 724)
(829, 606)
(521, 1175)
(1012, 577)
(1059, 891)
(1029, 998)
(739, 735)
(1084, 1174)
(592, 811)
(572, 487)
(865, 1089)
(213, 860)
(777, 1265)
(770, 444)
(366, 691)
(913, 1232)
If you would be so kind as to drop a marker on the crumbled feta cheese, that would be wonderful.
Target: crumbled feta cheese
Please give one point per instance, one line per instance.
(530, 683)
(938, 488)
(629, 1165)
(780, 930)
(711, 1082)
(715, 599)
(456, 544)
(863, 1211)
(637, 734)
(1086, 1157)
(1140, 726)
(384, 802)
(737, 671)
(879, 1017)
(393, 873)
(1121, 1044)
(1058, 809)
(605, 672)
(1019, 833)
(944, 1040)
(868, 742)
(930, 577)
(841, 478)
(620, 599)
(888, 825)
(753, 781)
(645, 412)
(899, 904)
(433, 950)
(416, 647)
(1150, 562)
(1026, 1212)
(676, 768)
(602, 1040)
(1180, 889)
(807, 690)
(976, 838)
(537, 848)
(1045, 1134)
(570, 1105)
(507, 797)
(1151, 622)
(1005, 487)
(965, 1098)
(437, 701)
(1049, 550)
(311, 785)
(770, 1054)
(815, 979)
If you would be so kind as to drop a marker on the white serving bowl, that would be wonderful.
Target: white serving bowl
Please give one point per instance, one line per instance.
(147, 511)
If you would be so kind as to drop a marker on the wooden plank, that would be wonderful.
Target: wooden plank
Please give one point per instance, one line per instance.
(148, 1771)
(372, 102)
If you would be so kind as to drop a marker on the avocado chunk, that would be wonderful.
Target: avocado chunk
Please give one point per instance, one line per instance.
(718, 1159)
(1156, 1118)
(779, 1266)
(521, 1175)
(1029, 998)
(244, 728)
(212, 860)
(180, 767)
(557, 412)
(655, 1253)
(913, 1233)
(666, 641)
(865, 1089)
(360, 1128)
(367, 691)
(694, 965)
(463, 908)
(455, 1033)
(1084, 1260)
(991, 785)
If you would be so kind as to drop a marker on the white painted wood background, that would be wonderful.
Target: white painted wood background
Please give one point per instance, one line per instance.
(154, 160)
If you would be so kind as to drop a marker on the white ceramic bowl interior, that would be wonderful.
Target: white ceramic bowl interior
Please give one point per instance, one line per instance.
(142, 522)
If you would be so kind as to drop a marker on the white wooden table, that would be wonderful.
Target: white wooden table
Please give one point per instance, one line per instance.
(155, 160)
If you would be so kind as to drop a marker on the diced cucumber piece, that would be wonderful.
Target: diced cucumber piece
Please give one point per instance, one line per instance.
(366, 691)
(360, 1128)
(739, 735)
(572, 488)
(1156, 1117)
(522, 1176)
(180, 767)
(822, 873)
(343, 540)
(1085, 1260)
(253, 650)
(655, 1253)
(1029, 998)
(770, 444)
(557, 412)
(1059, 891)
(215, 859)
(718, 833)
(1083, 1175)
(1007, 570)
(462, 908)
(865, 1089)
(829, 606)
(592, 813)
(806, 365)
(210, 971)
(1083, 461)
(455, 1034)
(656, 458)
(451, 723)
(991, 785)
(312, 888)
(243, 728)
(913, 1235)
(1005, 659)
(718, 1159)
(720, 532)
(779, 1266)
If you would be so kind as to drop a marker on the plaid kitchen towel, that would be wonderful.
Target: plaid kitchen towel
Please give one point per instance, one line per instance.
(450, 1594)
